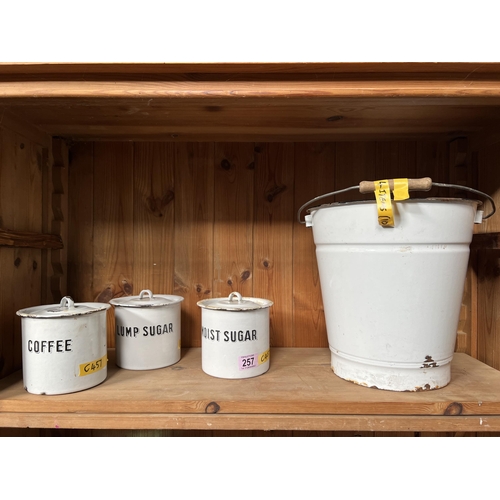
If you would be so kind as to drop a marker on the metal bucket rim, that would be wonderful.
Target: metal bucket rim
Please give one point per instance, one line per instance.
(410, 200)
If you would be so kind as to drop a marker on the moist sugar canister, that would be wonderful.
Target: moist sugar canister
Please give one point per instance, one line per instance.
(235, 336)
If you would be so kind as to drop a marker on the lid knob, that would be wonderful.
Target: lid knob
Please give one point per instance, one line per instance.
(67, 302)
(149, 293)
(233, 295)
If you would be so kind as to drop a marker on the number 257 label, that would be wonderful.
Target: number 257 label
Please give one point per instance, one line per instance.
(253, 360)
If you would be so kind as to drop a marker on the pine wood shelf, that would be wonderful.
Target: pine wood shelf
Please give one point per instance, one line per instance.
(299, 392)
(121, 162)
(262, 102)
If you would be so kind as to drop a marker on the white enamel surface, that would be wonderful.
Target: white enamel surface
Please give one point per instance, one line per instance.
(234, 343)
(392, 296)
(147, 299)
(65, 308)
(235, 302)
(54, 350)
(148, 337)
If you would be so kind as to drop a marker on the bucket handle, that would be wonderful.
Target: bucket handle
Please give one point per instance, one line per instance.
(422, 184)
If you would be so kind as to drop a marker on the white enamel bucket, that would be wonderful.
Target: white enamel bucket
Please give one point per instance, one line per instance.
(392, 295)
(148, 330)
(64, 346)
(235, 336)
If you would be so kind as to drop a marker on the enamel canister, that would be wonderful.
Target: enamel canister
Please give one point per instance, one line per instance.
(148, 330)
(235, 336)
(64, 346)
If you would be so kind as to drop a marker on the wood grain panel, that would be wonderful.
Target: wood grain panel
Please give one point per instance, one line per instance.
(58, 271)
(298, 119)
(273, 236)
(20, 209)
(25, 129)
(81, 223)
(80, 71)
(395, 160)
(20, 203)
(314, 176)
(194, 218)
(154, 217)
(488, 317)
(433, 162)
(233, 222)
(489, 182)
(113, 224)
(355, 162)
(488, 265)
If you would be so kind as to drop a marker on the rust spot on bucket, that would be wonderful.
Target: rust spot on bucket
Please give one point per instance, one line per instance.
(429, 363)
(212, 407)
(426, 387)
(454, 409)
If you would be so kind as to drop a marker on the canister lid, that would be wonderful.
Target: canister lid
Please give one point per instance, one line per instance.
(147, 299)
(66, 307)
(235, 302)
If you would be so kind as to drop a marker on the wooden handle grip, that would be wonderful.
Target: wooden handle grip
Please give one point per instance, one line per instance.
(422, 184)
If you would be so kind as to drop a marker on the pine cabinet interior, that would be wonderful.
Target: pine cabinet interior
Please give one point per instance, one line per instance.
(186, 179)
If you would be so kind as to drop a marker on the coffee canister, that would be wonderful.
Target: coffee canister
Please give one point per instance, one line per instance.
(235, 336)
(63, 346)
(148, 330)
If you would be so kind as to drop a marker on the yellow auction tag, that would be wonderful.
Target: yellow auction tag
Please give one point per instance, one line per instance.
(401, 189)
(384, 205)
(264, 357)
(93, 366)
